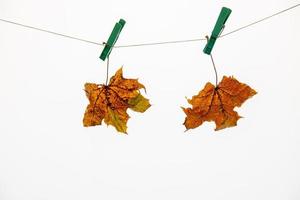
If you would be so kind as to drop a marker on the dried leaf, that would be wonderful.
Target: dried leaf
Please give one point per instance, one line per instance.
(110, 102)
(217, 104)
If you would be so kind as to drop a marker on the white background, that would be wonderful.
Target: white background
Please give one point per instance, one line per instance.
(46, 153)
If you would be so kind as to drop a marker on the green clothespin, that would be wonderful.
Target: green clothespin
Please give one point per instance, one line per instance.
(220, 24)
(112, 39)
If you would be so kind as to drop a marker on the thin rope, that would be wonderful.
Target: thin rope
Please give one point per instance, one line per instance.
(160, 43)
(258, 21)
(153, 43)
(51, 32)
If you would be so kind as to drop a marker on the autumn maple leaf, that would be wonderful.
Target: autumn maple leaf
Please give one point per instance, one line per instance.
(110, 102)
(217, 104)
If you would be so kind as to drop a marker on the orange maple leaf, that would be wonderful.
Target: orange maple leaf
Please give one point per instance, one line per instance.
(217, 104)
(110, 102)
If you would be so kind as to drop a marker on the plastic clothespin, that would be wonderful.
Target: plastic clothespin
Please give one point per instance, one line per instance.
(219, 26)
(112, 39)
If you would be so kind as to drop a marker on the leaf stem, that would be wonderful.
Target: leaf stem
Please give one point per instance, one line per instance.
(212, 60)
(107, 68)
(215, 69)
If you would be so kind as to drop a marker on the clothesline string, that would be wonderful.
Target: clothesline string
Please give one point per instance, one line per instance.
(153, 43)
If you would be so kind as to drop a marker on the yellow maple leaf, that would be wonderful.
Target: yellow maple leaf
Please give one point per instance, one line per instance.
(109, 103)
